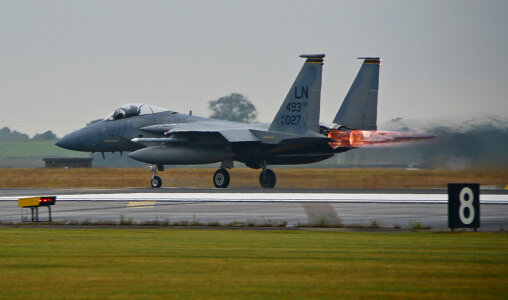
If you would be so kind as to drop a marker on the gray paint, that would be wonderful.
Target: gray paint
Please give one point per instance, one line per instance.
(299, 113)
(168, 137)
(180, 155)
(172, 138)
(359, 108)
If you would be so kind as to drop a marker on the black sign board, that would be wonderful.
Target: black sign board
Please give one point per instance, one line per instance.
(463, 205)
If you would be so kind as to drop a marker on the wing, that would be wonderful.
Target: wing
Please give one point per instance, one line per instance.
(223, 133)
(204, 132)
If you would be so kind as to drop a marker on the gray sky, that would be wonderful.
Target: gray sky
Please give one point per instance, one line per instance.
(63, 63)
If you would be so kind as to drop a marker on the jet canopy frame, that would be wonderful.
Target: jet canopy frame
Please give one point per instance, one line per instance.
(132, 110)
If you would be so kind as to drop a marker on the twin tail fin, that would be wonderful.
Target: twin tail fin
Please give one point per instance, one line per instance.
(299, 113)
(359, 108)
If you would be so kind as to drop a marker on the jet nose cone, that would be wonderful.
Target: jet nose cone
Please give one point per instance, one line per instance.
(72, 141)
(65, 143)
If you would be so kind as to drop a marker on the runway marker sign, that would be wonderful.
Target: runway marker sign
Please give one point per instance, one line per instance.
(34, 203)
(463, 205)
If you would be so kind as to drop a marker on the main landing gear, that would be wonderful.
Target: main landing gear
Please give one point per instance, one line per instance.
(221, 178)
(267, 178)
(156, 181)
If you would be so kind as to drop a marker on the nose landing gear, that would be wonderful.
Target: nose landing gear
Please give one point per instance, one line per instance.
(156, 181)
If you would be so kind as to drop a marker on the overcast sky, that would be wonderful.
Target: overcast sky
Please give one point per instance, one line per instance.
(64, 63)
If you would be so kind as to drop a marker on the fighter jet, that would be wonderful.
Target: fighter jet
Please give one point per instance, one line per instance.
(161, 137)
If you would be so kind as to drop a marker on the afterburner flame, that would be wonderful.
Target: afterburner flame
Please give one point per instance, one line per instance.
(356, 138)
(336, 136)
(371, 138)
(345, 138)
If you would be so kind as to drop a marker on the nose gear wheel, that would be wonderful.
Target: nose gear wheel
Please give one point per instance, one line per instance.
(156, 182)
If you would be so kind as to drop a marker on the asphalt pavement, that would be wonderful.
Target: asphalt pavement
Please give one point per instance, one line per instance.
(494, 217)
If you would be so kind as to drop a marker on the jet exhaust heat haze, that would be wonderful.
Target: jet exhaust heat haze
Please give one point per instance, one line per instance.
(161, 137)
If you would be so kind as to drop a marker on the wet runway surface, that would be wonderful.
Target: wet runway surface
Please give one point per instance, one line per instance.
(70, 191)
(387, 214)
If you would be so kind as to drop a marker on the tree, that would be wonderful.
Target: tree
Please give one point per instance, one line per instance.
(233, 107)
(46, 136)
(7, 134)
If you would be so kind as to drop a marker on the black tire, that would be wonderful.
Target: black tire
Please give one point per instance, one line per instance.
(221, 179)
(156, 182)
(267, 179)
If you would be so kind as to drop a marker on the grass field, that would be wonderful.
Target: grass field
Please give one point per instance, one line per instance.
(243, 177)
(231, 264)
(29, 153)
(30, 148)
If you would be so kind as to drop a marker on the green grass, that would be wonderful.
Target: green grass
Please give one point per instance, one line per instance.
(228, 264)
(34, 149)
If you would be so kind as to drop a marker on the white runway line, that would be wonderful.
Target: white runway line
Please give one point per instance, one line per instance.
(273, 197)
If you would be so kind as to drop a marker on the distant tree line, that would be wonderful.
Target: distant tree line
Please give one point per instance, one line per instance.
(13, 135)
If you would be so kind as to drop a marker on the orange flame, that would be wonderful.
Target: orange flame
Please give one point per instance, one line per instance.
(356, 138)
(372, 138)
(343, 138)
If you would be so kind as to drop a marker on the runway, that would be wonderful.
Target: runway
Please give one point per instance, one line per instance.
(387, 208)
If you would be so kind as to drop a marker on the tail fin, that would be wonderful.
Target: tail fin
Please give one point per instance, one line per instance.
(359, 109)
(299, 112)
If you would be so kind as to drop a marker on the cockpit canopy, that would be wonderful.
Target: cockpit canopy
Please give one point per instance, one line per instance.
(132, 110)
